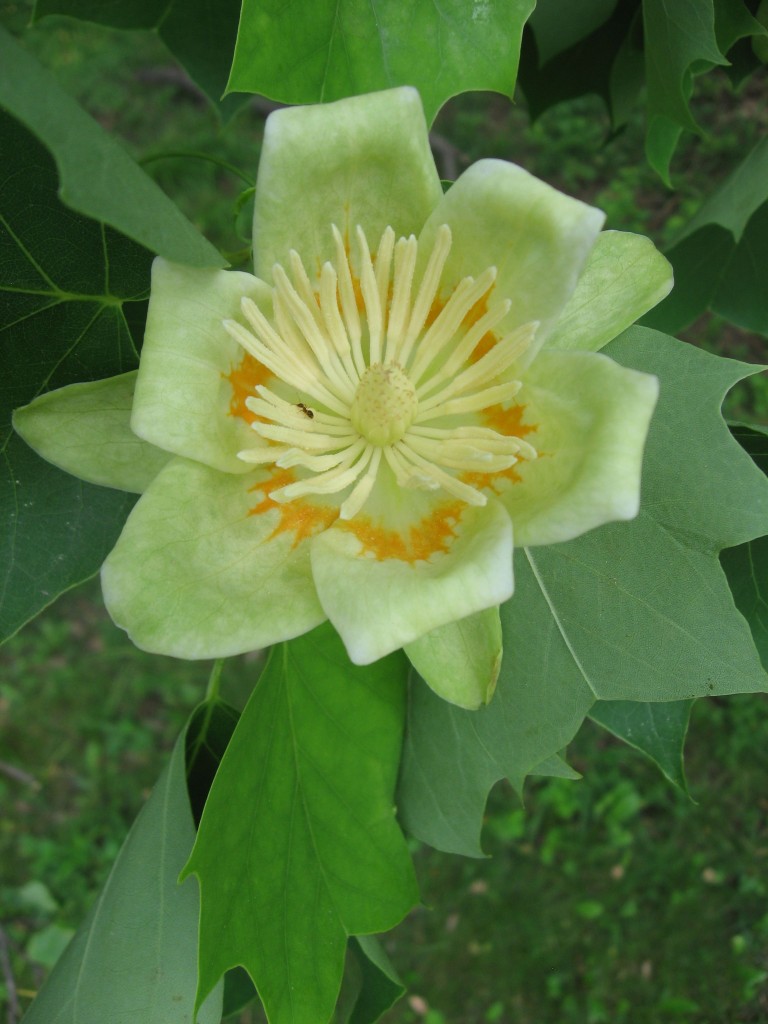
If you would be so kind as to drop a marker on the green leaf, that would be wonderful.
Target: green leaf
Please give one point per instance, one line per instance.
(575, 71)
(133, 959)
(656, 730)
(199, 34)
(734, 22)
(239, 992)
(753, 438)
(452, 757)
(380, 987)
(67, 286)
(369, 988)
(210, 730)
(746, 567)
(557, 27)
(97, 176)
(298, 846)
(743, 192)
(740, 295)
(698, 262)
(622, 613)
(678, 38)
(336, 48)
(720, 256)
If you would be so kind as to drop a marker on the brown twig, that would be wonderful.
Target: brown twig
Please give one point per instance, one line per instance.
(18, 774)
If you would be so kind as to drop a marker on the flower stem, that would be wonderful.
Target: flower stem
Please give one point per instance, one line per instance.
(214, 680)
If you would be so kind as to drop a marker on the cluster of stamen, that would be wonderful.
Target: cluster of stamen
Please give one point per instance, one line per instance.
(383, 380)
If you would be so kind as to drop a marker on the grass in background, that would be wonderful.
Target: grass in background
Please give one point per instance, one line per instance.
(614, 899)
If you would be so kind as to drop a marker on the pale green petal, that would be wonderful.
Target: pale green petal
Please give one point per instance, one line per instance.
(591, 417)
(537, 238)
(364, 160)
(182, 394)
(461, 660)
(625, 277)
(84, 429)
(196, 575)
(378, 606)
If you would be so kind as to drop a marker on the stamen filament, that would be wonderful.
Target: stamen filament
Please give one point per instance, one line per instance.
(466, 347)
(383, 387)
(348, 301)
(428, 289)
(362, 489)
(443, 330)
(370, 289)
(405, 264)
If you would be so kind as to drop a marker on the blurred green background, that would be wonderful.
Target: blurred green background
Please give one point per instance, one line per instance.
(613, 899)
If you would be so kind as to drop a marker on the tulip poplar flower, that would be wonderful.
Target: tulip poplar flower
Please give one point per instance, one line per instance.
(408, 385)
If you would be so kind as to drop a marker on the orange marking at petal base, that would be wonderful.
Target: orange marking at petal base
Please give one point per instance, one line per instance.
(508, 421)
(244, 380)
(431, 535)
(299, 515)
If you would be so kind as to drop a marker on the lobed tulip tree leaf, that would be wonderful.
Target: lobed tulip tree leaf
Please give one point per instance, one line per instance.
(338, 48)
(720, 259)
(134, 957)
(679, 38)
(369, 988)
(69, 286)
(97, 175)
(298, 846)
(199, 34)
(622, 613)
(656, 730)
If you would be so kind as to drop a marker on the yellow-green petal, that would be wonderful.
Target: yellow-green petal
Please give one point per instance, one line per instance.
(537, 238)
(625, 277)
(460, 661)
(202, 568)
(84, 429)
(183, 393)
(379, 605)
(591, 418)
(364, 160)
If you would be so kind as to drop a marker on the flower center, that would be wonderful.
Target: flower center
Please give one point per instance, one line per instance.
(384, 405)
(374, 373)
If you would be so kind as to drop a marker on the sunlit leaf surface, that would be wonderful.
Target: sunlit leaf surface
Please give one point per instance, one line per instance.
(298, 845)
(329, 49)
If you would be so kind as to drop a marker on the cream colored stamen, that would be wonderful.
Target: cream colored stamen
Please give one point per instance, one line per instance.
(387, 366)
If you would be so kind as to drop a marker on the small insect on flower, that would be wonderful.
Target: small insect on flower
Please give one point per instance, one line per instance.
(305, 410)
